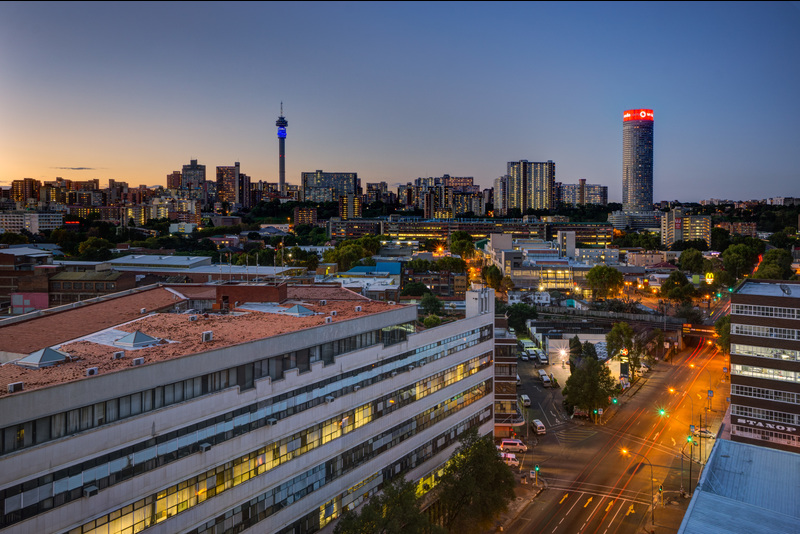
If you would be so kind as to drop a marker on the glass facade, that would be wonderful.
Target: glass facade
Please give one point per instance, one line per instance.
(637, 165)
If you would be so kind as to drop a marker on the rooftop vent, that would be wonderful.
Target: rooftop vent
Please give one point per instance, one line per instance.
(323, 302)
(329, 399)
(137, 361)
(192, 317)
(391, 303)
(14, 387)
(118, 355)
(91, 371)
(334, 313)
(143, 310)
(272, 421)
(328, 320)
(358, 308)
(207, 336)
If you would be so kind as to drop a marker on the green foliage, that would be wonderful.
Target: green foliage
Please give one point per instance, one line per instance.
(461, 244)
(603, 280)
(500, 307)
(689, 313)
(590, 385)
(10, 238)
(431, 305)
(492, 276)
(589, 350)
(644, 239)
(620, 336)
(476, 486)
(692, 260)
(415, 289)
(396, 510)
(676, 287)
(518, 314)
(418, 265)
(720, 239)
(723, 329)
(453, 265)
(95, 249)
(432, 321)
(506, 284)
(775, 265)
(697, 244)
(575, 348)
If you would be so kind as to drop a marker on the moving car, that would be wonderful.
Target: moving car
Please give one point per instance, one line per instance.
(509, 459)
(538, 426)
(704, 433)
(515, 445)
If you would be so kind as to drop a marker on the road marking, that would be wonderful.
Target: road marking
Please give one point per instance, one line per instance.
(630, 511)
(563, 498)
(609, 506)
(673, 441)
(587, 502)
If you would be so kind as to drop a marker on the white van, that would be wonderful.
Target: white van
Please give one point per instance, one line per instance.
(526, 400)
(546, 382)
(539, 426)
(512, 445)
(509, 459)
(542, 374)
(519, 381)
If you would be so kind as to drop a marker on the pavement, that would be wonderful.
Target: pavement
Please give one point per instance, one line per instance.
(668, 515)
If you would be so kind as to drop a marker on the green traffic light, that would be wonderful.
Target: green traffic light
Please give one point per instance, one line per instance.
(688, 439)
(536, 467)
(662, 412)
(615, 400)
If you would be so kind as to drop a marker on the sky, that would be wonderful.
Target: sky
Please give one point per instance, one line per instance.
(396, 91)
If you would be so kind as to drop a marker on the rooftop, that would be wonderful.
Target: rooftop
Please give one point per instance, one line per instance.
(91, 334)
(744, 489)
(770, 288)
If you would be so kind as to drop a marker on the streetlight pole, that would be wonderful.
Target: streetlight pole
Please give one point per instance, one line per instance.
(691, 444)
(652, 492)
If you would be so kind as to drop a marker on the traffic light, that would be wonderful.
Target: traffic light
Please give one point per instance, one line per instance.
(536, 468)
(660, 488)
(595, 411)
(614, 401)
(662, 412)
(688, 439)
(730, 290)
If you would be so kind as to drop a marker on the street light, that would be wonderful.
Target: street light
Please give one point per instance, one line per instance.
(652, 493)
(690, 440)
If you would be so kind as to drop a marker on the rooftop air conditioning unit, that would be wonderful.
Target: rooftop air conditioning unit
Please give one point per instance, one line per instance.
(90, 491)
(15, 387)
(334, 313)
(392, 303)
(205, 447)
(192, 317)
(356, 388)
(137, 361)
(118, 355)
(323, 302)
(394, 373)
(358, 308)
(208, 336)
(143, 310)
(272, 421)
(329, 399)
(411, 367)
(328, 320)
(91, 371)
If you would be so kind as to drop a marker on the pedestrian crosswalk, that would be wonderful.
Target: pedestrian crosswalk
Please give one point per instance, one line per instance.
(574, 435)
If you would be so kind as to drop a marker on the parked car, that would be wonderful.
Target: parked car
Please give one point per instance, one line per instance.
(509, 459)
(523, 356)
(704, 433)
(580, 413)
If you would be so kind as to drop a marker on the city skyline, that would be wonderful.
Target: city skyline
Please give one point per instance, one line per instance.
(132, 92)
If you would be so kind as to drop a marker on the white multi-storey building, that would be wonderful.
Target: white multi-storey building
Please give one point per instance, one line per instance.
(276, 417)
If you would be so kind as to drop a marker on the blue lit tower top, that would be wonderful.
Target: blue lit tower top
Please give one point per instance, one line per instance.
(282, 123)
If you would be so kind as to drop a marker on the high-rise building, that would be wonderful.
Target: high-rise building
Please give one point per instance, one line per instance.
(530, 185)
(305, 216)
(193, 175)
(582, 193)
(677, 225)
(765, 364)
(350, 206)
(637, 160)
(174, 180)
(228, 184)
(25, 190)
(282, 123)
(322, 186)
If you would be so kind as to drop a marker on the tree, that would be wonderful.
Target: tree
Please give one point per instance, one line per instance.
(453, 265)
(590, 385)
(620, 337)
(95, 249)
(506, 284)
(603, 280)
(432, 321)
(723, 329)
(589, 350)
(396, 510)
(518, 315)
(476, 486)
(775, 265)
(493, 277)
(415, 289)
(575, 349)
(676, 287)
(431, 305)
(691, 260)
(10, 238)
(720, 239)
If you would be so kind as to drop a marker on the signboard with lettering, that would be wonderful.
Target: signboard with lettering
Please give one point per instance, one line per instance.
(765, 425)
(710, 393)
(638, 115)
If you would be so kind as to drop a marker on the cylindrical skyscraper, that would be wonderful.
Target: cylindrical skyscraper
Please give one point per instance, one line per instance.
(637, 160)
(282, 123)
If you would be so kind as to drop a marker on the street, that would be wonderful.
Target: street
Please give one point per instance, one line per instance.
(590, 484)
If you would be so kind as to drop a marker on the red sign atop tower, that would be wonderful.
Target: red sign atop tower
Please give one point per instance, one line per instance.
(638, 115)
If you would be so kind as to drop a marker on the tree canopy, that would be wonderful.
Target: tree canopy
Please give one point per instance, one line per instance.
(603, 280)
(431, 305)
(590, 385)
(518, 314)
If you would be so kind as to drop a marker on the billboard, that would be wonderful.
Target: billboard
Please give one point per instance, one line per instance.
(638, 115)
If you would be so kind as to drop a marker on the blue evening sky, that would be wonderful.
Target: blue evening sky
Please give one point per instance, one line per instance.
(395, 91)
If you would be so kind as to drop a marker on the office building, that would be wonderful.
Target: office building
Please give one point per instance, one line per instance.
(323, 186)
(677, 225)
(233, 186)
(25, 190)
(637, 160)
(174, 180)
(277, 417)
(765, 364)
(34, 222)
(304, 216)
(582, 193)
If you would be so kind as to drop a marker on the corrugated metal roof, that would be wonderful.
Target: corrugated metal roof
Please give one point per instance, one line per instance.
(87, 276)
(745, 489)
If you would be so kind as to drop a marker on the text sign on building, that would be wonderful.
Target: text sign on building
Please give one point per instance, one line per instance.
(638, 115)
